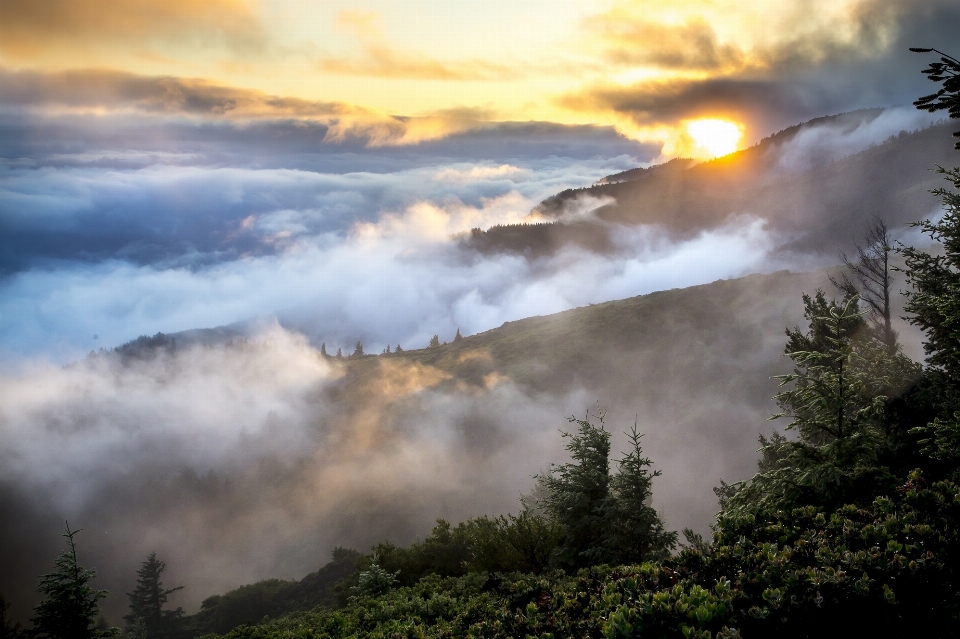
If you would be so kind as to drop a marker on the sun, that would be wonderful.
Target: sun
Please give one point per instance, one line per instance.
(715, 137)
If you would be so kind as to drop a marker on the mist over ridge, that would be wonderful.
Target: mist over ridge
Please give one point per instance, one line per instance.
(259, 448)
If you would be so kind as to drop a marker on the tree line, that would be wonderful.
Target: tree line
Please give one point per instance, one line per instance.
(359, 352)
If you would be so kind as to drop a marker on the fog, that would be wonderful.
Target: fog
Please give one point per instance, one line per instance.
(237, 463)
(254, 459)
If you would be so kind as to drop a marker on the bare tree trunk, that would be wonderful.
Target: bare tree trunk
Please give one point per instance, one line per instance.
(871, 279)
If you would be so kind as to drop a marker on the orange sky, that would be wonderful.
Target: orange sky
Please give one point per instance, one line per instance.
(454, 64)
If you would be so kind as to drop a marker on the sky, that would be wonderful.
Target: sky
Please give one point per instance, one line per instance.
(306, 172)
(175, 165)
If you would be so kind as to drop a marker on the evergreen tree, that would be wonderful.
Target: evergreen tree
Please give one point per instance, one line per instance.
(933, 300)
(837, 397)
(634, 530)
(434, 341)
(148, 599)
(70, 606)
(8, 628)
(458, 336)
(339, 353)
(399, 350)
(603, 518)
(358, 350)
(323, 349)
(947, 98)
(575, 494)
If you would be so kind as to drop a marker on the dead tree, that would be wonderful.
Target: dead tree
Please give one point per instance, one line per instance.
(872, 279)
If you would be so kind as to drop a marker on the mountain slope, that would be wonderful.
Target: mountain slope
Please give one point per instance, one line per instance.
(803, 197)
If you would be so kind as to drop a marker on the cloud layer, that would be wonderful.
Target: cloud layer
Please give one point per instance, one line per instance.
(237, 463)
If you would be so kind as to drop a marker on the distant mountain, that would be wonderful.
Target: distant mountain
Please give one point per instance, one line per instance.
(814, 202)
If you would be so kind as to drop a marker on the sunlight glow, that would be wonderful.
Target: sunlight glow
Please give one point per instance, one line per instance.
(715, 137)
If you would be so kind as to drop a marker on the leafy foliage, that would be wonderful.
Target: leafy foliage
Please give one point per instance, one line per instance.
(374, 580)
(883, 570)
(271, 598)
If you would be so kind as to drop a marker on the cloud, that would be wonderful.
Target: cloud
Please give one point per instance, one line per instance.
(99, 89)
(767, 68)
(476, 173)
(830, 141)
(665, 103)
(398, 278)
(175, 209)
(630, 40)
(378, 59)
(47, 28)
(110, 95)
(728, 37)
(240, 463)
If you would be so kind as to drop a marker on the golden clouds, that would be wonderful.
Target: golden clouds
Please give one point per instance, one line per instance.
(48, 29)
(752, 63)
(105, 91)
(728, 36)
(101, 89)
(645, 66)
(692, 44)
(377, 58)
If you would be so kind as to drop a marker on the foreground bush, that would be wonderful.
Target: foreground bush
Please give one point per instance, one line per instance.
(880, 571)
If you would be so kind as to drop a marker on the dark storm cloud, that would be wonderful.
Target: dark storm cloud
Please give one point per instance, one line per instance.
(775, 86)
(761, 102)
(110, 89)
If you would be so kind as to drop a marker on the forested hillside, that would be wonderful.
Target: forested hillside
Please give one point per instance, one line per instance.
(814, 199)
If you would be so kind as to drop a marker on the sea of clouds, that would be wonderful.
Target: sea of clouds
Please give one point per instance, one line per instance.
(237, 463)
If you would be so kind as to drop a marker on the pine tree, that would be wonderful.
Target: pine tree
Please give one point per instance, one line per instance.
(70, 607)
(634, 532)
(399, 349)
(603, 519)
(576, 493)
(934, 305)
(947, 98)
(339, 353)
(434, 341)
(836, 397)
(8, 628)
(933, 301)
(358, 350)
(148, 599)
(458, 336)
(323, 349)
